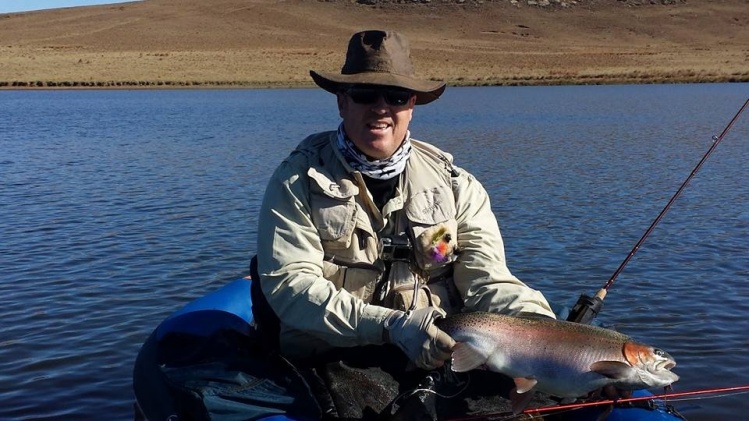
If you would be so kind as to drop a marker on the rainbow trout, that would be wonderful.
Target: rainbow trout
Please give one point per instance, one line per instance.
(563, 359)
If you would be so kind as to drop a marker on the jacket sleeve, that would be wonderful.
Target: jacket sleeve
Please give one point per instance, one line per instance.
(481, 273)
(290, 264)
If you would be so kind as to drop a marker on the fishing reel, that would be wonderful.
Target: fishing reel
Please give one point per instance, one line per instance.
(585, 309)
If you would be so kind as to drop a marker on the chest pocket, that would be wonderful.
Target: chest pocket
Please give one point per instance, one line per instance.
(431, 216)
(334, 209)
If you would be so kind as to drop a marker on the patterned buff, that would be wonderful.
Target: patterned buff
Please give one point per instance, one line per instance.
(381, 169)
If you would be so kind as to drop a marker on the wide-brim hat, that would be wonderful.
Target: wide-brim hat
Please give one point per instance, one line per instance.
(379, 58)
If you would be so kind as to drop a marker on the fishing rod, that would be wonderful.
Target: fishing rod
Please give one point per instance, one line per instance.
(587, 308)
(664, 396)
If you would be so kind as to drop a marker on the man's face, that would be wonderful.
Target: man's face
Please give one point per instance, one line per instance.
(372, 122)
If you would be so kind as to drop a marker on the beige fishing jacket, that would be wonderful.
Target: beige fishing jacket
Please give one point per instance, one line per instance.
(318, 246)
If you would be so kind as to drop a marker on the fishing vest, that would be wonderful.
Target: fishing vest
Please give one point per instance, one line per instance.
(398, 256)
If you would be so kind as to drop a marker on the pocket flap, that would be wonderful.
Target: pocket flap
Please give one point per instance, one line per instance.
(431, 207)
(342, 189)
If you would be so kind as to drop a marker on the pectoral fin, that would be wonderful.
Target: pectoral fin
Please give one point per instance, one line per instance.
(466, 358)
(611, 369)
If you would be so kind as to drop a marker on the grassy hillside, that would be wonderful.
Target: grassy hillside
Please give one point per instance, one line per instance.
(165, 43)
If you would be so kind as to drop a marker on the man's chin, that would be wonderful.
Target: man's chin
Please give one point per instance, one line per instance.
(378, 149)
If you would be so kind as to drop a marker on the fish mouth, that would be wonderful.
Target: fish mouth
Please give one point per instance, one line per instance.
(667, 376)
(666, 365)
(662, 373)
(661, 378)
(671, 378)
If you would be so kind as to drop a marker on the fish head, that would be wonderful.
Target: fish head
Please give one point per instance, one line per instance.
(652, 365)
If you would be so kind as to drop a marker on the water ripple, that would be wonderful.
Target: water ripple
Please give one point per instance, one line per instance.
(119, 207)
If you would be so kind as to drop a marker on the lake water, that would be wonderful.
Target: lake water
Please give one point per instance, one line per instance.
(118, 207)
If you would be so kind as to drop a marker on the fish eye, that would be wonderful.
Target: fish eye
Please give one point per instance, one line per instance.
(659, 352)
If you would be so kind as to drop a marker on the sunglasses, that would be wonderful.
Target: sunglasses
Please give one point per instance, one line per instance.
(371, 94)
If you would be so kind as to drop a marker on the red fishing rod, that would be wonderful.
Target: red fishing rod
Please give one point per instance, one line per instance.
(665, 397)
(587, 308)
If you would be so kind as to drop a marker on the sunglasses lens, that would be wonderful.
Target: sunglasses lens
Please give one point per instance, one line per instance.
(397, 97)
(365, 95)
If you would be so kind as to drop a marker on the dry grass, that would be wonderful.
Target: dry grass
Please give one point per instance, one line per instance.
(172, 43)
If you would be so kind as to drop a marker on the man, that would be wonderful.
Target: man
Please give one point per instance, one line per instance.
(367, 235)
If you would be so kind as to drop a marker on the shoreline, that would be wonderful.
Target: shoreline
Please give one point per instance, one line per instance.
(637, 79)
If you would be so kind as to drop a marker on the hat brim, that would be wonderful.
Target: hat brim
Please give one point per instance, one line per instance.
(426, 91)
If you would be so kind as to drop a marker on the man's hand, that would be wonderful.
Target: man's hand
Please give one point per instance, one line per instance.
(416, 335)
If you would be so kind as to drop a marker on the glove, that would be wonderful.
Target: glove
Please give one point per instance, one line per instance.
(416, 335)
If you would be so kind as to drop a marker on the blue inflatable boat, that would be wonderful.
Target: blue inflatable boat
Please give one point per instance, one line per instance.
(229, 309)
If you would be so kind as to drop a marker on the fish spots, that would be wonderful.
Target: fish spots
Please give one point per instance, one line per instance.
(558, 355)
